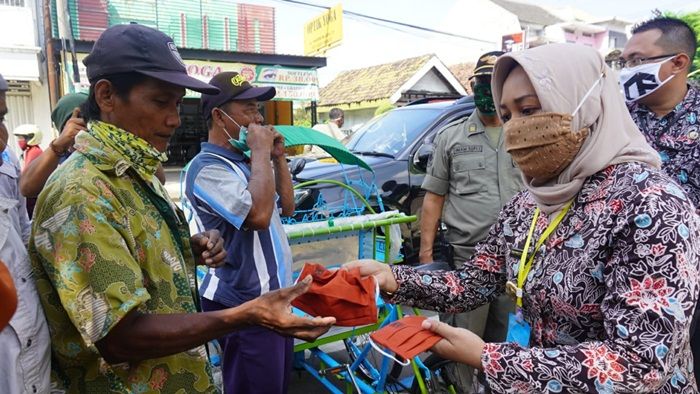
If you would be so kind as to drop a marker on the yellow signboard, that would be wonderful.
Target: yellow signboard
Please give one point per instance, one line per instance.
(324, 31)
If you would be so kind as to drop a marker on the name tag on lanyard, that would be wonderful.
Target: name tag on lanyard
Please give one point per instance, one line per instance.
(518, 329)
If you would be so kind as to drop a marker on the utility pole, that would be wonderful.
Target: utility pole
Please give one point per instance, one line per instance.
(50, 59)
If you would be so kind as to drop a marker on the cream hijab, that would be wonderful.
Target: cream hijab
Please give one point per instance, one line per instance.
(561, 75)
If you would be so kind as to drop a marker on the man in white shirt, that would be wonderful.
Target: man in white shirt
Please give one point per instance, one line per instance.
(25, 353)
(336, 118)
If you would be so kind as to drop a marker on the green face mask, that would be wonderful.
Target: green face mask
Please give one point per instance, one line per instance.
(483, 99)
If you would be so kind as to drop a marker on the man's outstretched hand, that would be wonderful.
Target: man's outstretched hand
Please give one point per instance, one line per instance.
(273, 310)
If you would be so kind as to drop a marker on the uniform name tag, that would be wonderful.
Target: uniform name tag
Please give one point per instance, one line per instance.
(464, 149)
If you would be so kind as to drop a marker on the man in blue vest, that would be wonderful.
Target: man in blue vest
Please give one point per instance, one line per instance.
(243, 198)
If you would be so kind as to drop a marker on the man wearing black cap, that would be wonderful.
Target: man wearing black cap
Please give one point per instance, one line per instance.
(237, 196)
(112, 255)
(472, 176)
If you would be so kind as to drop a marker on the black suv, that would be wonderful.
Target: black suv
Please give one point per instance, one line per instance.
(397, 145)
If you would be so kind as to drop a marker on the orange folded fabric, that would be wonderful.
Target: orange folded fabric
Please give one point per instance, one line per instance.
(406, 337)
(343, 294)
(8, 295)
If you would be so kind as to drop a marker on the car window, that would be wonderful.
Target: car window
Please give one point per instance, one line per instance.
(392, 132)
(452, 118)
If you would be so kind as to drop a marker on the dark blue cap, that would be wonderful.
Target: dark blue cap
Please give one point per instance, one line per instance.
(3, 84)
(141, 49)
(233, 87)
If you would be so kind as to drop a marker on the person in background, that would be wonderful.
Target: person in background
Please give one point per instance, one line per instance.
(336, 118)
(469, 178)
(67, 121)
(25, 352)
(600, 250)
(242, 198)
(28, 139)
(654, 76)
(65, 118)
(113, 256)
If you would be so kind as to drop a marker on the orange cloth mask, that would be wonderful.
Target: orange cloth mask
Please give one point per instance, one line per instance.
(8, 295)
(406, 337)
(343, 294)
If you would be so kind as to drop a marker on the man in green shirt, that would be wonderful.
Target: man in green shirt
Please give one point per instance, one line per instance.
(469, 178)
(113, 256)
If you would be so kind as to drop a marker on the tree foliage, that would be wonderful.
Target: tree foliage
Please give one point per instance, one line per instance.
(693, 19)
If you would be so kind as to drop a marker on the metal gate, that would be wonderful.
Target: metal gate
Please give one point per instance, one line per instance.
(19, 105)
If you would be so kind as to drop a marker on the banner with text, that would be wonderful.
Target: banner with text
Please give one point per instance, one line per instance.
(324, 31)
(290, 83)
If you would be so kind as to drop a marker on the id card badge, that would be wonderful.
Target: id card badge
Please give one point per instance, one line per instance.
(518, 330)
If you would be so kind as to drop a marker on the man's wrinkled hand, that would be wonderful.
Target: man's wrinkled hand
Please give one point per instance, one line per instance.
(73, 126)
(208, 247)
(260, 138)
(278, 146)
(273, 310)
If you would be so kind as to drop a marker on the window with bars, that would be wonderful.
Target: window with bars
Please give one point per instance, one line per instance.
(12, 3)
(204, 24)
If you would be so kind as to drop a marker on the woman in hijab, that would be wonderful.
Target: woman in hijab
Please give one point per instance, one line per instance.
(600, 251)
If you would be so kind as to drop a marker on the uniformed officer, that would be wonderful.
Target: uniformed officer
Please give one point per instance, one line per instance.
(470, 177)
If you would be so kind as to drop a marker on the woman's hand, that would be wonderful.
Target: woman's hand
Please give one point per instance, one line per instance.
(381, 272)
(458, 344)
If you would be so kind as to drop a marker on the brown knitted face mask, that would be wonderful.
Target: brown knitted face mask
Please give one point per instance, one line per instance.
(543, 144)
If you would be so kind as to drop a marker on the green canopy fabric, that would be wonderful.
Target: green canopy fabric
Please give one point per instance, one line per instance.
(299, 135)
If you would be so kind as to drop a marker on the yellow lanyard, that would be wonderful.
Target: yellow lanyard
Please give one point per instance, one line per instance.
(525, 263)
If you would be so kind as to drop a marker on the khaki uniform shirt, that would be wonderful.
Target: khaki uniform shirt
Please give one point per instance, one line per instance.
(477, 179)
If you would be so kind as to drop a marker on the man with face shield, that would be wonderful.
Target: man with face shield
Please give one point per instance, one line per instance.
(599, 251)
(470, 176)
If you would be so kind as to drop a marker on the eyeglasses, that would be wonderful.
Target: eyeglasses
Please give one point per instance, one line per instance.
(622, 63)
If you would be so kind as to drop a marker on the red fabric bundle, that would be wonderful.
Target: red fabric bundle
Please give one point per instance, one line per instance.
(343, 294)
(406, 337)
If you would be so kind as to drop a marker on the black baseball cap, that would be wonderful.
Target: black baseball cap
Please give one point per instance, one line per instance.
(141, 49)
(233, 86)
(484, 67)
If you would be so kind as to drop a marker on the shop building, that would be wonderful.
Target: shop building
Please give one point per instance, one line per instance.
(20, 51)
(212, 37)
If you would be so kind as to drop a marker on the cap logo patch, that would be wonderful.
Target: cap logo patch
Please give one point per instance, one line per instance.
(176, 54)
(489, 59)
(238, 80)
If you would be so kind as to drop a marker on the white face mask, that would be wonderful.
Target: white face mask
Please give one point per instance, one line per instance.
(643, 80)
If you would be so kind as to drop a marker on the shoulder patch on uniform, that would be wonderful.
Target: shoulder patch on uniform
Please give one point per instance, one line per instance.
(452, 124)
(472, 128)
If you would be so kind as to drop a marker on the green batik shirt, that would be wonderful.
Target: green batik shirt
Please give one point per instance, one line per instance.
(107, 240)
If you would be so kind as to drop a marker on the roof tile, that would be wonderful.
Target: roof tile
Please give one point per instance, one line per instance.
(371, 83)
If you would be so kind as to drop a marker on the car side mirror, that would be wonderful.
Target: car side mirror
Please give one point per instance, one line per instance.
(296, 166)
(422, 156)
